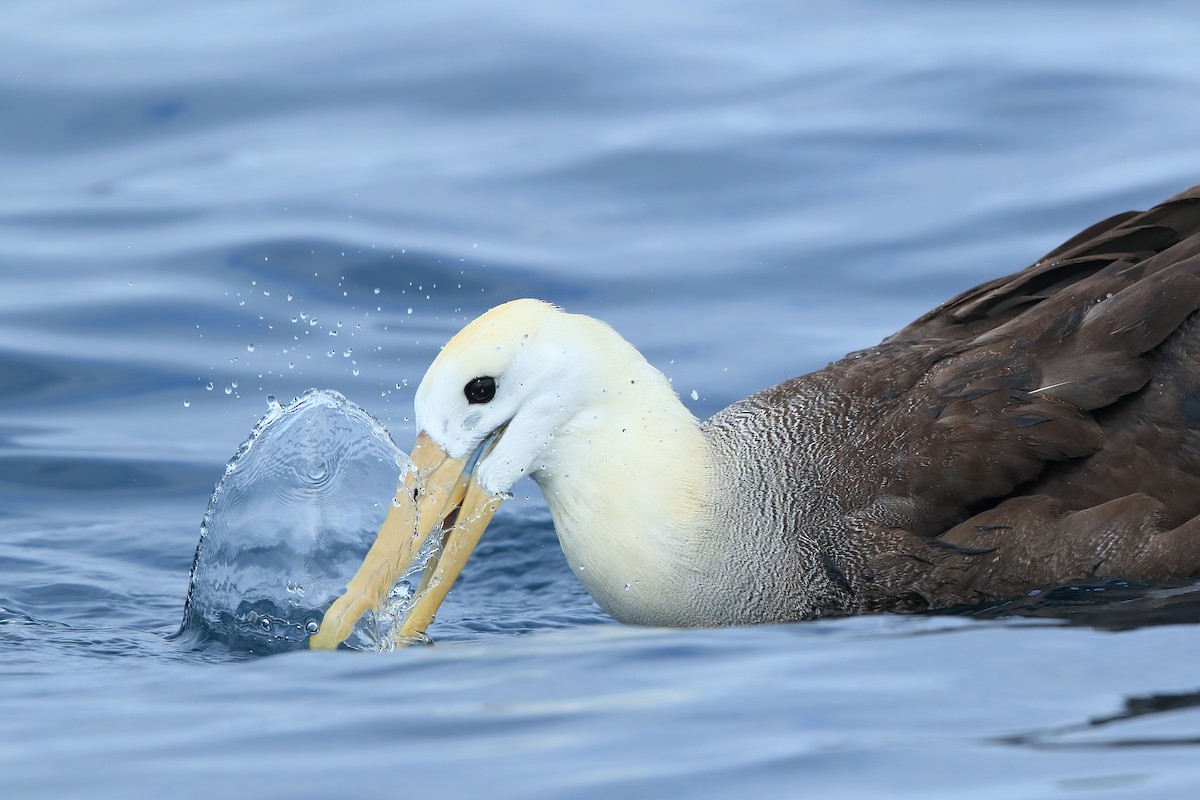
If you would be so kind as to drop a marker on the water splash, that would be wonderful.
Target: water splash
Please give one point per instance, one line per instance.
(289, 524)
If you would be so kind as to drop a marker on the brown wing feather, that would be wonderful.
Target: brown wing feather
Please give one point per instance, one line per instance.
(1053, 432)
(1118, 242)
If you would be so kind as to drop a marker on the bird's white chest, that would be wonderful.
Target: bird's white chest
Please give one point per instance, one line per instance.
(628, 567)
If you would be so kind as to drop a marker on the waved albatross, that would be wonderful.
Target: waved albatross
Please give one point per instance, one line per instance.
(1041, 428)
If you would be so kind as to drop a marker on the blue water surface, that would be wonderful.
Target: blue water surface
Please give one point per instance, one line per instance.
(205, 204)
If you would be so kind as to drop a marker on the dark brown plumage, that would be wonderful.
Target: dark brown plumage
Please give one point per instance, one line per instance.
(1038, 429)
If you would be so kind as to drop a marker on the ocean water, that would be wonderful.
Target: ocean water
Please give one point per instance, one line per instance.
(202, 206)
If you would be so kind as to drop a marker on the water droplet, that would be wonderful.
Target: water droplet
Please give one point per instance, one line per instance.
(410, 311)
(209, 387)
(187, 403)
(376, 291)
(250, 348)
(312, 627)
(228, 390)
(695, 395)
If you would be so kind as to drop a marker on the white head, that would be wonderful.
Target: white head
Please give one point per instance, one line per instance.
(522, 370)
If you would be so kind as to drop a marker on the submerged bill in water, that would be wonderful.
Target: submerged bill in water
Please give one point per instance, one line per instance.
(289, 524)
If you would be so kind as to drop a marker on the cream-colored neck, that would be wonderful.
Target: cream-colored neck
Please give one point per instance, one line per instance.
(629, 483)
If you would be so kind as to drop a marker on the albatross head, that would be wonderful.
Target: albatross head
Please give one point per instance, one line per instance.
(517, 392)
(524, 367)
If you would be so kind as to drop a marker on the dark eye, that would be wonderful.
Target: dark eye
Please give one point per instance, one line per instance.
(480, 390)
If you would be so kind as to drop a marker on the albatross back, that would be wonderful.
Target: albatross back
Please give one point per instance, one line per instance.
(1041, 428)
